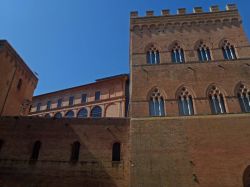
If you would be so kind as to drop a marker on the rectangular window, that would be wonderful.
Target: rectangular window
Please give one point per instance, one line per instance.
(59, 103)
(84, 98)
(97, 95)
(71, 101)
(48, 105)
(38, 107)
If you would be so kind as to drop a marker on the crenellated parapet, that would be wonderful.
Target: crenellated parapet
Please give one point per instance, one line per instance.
(183, 18)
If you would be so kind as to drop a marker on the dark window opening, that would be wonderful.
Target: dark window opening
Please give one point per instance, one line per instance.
(75, 151)
(71, 101)
(19, 85)
(36, 150)
(97, 96)
(116, 152)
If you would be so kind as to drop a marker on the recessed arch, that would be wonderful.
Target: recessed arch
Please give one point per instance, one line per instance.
(156, 102)
(185, 99)
(246, 177)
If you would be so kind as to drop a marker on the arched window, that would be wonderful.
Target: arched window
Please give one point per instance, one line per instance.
(83, 113)
(156, 104)
(96, 112)
(153, 56)
(116, 152)
(47, 116)
(228, 51)
(58, 115)
(35, 151)
(75, 150)
(19, 84)
(246, 177)
(244, 98)
(70, 114)
(203, 53)
(216, 100)
(185, 103)
(177, 54)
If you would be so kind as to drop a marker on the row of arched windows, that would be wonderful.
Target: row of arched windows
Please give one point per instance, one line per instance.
(186, 105)
(96, 112)
(203, 51)
(75, 151)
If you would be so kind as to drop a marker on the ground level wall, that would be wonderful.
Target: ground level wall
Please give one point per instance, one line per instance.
(95, 167)
(204, 151)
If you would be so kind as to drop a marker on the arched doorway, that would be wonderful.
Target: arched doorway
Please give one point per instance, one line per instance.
(246, 177)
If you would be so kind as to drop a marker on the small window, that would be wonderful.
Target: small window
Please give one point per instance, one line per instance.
(59, 103)
(97, 95)
(153, 56)
(48, 105)
(203, 53)
(83, 113)
(244, 98)
(70, 114)
(116, 152)
(36, 150)
(19, 84)
(177, 54)
(84, 98)
(185, 103)
(58, 115)
(38, 107)
(156, 104)
(71, 101)
(96, 112)
(1, 144)
(216, 100)
(228, 51)
(75, 150)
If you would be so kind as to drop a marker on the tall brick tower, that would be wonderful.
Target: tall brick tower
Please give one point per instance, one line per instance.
(17, 82)
(190, 99)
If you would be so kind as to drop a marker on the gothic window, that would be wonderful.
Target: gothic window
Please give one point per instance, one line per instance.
(156, 104)
(244, 98)
(38, 107)
(70, 114)
(153, 56)
(36, 150)
(177, 54)
(75, 150)
(203, 53)
(116, 152)
(71, 101)
(58, 115)
(97, 95)
(96, 112)
(59, 103)
(84, 98)
(185, 103)
(19, 84)
(83, 113)
(216, 100)
(48, 105)
(228, 51)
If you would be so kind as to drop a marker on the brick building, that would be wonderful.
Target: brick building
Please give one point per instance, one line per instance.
(188, 124)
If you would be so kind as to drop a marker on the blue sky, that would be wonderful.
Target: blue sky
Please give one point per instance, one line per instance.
(74, 42)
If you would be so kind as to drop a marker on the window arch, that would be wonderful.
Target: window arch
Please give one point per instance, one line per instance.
(243, 94)
(116, 152)
(156, 103)
(70, 114)
(83, 113)
(96, 112)
(216, 100)
(58, 115)
(228, 51)
(75, 150)
(203, 52)
(153, 55)
(35, 151)
(185, 102)
(177, 54)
